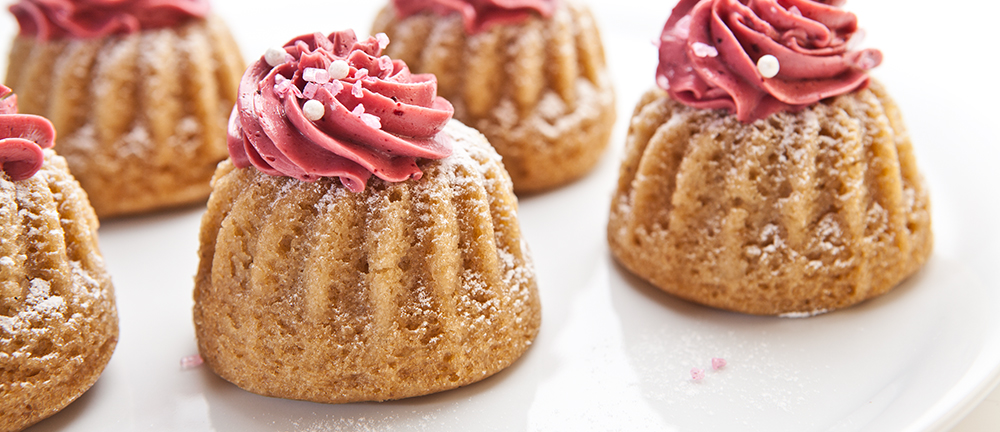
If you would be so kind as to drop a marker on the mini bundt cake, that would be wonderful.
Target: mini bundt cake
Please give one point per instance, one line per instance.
(138, 91)
(58, 323)
(363, 288)
(792, 202)
(530, 77)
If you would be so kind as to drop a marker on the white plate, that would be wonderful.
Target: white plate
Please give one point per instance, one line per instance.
(614, 353)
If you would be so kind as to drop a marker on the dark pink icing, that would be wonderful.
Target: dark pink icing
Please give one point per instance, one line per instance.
(22, 138)
(80, 19)
(269, 130)
(479, 15)
(810, 39)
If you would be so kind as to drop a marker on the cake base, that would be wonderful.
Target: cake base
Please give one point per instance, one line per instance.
(309, 291)
(798, 213)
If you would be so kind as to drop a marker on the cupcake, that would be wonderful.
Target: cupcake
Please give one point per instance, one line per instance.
(358, 244)
(58, 323)
(768, 173)
(529, 75)
(139, 92)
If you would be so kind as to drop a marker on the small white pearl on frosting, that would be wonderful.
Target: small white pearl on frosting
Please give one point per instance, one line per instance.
(275, 56)
(339, 69)
(768, 66)
(313, 110)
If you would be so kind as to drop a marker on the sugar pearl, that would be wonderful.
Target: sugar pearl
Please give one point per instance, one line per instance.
(275, 56)
(339, 69)
(768, 66)
(313, 110)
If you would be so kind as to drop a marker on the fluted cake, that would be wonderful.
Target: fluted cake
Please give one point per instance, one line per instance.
(754, 199)
(58, 323)
(347, 285)
(141, 112)
(537, 87)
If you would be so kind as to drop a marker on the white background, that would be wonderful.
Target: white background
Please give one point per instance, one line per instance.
(613, 352)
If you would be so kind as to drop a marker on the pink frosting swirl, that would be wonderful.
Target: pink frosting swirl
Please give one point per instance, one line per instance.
(479, 15)
(22, 138)
(710, 51)
(79, 19)
(378, 119)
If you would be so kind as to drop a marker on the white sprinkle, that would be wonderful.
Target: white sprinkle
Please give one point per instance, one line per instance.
(768, 66)
(316, 75)
(339, 69)
(383, 40)
(704, 50)
(313, 110)
(275, 56)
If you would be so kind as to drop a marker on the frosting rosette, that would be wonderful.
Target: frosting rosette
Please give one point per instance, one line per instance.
(333, 106)
(80, 19)
(22, 138)
(758, 57)
(479, 15)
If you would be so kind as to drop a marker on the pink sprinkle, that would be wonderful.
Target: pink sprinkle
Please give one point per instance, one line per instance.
(656, 42)
(356, 90)
(704, 50)
(383, 40)
(369, 120)
(361, 74)
(663, 82)
(718, 363)
(385, 63)
(334, 87)
(283, 86)
(191, 362)
(316, 75)
(794, 10)
(310, 90)
(697, 374)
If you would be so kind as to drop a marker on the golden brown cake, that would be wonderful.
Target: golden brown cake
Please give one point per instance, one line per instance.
(357, 285)
(538, 89)
(141, 116)
(309, 291)
(58, 323)
(801, 213)
(779, 180)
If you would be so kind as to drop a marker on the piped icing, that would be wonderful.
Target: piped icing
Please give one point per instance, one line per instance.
(333, 106)
(22, 138)
(478, 15)
(758, 57)
(81, 19)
